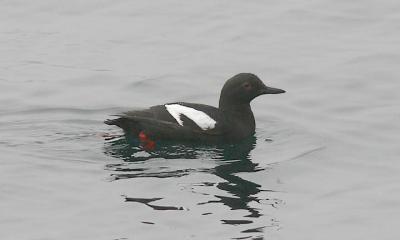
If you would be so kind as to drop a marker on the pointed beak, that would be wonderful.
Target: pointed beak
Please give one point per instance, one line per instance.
(271, 90)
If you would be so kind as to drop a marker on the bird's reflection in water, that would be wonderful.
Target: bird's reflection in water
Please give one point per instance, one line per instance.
(230, 160)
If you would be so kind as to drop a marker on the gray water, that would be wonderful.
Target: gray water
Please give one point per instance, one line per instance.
(322, 165)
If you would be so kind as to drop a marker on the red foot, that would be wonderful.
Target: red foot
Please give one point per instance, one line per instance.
(143, 137)
(147, 143)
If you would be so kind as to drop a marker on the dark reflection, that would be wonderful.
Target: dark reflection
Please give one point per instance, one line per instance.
(151, 223)
(231, 159)
(147, 202)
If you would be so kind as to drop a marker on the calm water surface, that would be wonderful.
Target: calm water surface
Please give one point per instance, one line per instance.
(323, 163)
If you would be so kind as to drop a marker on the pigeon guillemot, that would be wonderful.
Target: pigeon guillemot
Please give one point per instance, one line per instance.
(232, 121)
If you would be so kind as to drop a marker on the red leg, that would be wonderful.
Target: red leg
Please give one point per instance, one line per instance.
(147, 143)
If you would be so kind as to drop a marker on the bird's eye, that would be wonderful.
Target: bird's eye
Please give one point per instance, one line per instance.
(247, 86)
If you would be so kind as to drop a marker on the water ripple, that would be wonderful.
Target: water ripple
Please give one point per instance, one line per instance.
(221, 161)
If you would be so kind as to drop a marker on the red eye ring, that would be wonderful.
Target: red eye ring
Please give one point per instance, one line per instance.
(247, 86)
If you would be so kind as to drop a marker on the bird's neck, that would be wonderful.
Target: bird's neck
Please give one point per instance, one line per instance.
(242, 111)
(236, 109)
(240, 119)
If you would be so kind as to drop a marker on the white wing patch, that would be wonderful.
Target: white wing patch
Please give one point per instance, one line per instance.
(202, 120)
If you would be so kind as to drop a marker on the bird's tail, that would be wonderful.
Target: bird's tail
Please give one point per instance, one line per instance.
(126, 124)
(111, 121)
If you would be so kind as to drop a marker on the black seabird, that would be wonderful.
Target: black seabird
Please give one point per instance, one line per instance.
(232, 121)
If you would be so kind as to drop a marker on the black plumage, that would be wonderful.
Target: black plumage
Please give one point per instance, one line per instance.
(234, 117)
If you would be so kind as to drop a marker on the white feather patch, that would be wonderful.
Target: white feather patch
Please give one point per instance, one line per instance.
(200, 118)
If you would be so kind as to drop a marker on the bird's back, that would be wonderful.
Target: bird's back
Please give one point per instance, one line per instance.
(176, 121)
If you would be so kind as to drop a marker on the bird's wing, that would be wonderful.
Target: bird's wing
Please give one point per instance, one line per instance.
(157, 122)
